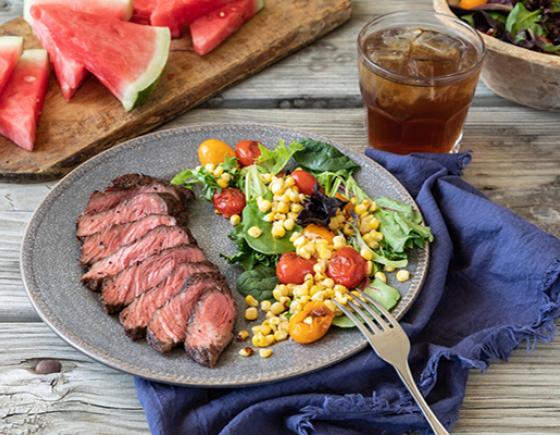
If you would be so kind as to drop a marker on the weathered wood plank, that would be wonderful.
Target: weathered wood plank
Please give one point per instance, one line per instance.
(520, 397)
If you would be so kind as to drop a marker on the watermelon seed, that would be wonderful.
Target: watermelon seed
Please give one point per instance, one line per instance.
(222, 14)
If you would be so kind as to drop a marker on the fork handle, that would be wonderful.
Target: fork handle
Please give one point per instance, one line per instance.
(403, 370)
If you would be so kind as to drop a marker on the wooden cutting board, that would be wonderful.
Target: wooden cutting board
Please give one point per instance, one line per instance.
(71, 132)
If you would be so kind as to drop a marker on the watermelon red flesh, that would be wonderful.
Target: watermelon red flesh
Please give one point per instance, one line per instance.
(10, 51)
(211, 30)
(69, 73)
(142, 11)
(176, 14)
(127, 58)
(22, 100)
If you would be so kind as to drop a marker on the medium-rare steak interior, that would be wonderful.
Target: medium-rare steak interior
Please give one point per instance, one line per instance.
(136, 249)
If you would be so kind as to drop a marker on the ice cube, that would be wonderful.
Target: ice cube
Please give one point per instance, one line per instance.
(434, 46)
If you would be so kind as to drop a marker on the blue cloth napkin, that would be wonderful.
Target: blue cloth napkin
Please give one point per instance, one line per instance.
(493, 284)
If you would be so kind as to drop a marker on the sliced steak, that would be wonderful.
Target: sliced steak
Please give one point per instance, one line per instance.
(127, 186)
(122, 289)
(210, 327)
(130, 210)
(167, 328)
(136, 316)
(107, 242)
(158, 239)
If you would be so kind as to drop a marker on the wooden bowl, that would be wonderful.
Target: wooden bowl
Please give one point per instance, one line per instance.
(524, 76)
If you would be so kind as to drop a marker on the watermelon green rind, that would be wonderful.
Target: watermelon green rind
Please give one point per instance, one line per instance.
(138, 91)
(123, 13)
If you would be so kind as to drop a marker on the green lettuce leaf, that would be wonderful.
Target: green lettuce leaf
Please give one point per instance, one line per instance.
(251, 183)
(258, 282)
(520, 20)
(320, 157)
(275, 160)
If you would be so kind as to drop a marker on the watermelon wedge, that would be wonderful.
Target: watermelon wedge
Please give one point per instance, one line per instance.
(22, 100)
(176, 14)
(10, 51)
(142, 11)
(127, 58)
(211, 30)
(69, 73)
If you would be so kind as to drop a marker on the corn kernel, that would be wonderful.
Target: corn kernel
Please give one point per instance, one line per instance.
(209, 167)
(235, 219)
(226, 176)
(295, 207)
(300, 241)
(277, 294)
(265, 305)
(265, 329)
(339, 242)
(373, 244)
(283, 207)
(269, 339)
(320, 267)
(274, 321)
(293, 197)
(373, 206)
(265, 353)
(218, 171)
(280, 217)
(285, 300)
(278, 232)
(366, 254)
(381, 276)
(292, 216)
(280, 335)
(290, 181)
(256, 329)
(369, 268)
(378, 236)
(258, 340)
(242, 335)
(251, 313)
(403, 275)
(389, 268)
(318, 296)
(348, 230)
(255, 232)
(276, 186)
(264, 205)
(360, 209)
(269, 314)
(268, 217)
(251, 301)
(343, 299)
(246, 351)
(222, 183)
(277, 308)
(328, 282)
(324, 253)
(353, 200)
(289, 224)
(284, 325)
(301, 291)
(266, 178)
(329, 293)
(340, 288)
(308, 277)
(330, 305)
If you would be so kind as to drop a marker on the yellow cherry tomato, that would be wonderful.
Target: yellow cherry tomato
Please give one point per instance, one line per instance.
(319, 231)
(310, 324)
(471, 4)
(214, 151)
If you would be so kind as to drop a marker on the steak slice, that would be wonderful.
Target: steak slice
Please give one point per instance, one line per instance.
(127, 186)
(127, 211)
(136, 316)
(105, 243)
(210, 327)
(123, 288)
(158, 239)
(168, 325)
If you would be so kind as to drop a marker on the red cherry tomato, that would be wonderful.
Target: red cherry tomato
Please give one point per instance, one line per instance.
(291, 269)
(231, 201)
(247, 151)
(347, 267)
(304, 181)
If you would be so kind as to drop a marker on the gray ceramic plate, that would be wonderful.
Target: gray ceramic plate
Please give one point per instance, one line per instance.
(51, 271)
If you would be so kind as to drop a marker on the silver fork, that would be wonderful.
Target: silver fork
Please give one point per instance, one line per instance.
(390, 342)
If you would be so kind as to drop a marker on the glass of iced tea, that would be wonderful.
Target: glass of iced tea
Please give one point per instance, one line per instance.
(418, 74)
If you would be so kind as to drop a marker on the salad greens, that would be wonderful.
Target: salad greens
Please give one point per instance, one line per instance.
(258, 282)
(275, 160)
(319, 157)
(532, 24)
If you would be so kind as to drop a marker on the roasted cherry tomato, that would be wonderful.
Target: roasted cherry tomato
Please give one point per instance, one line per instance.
(319, 231)
(247, 151)
(471, 4)
(347, 267)
(214, 151)
(291, 269)
(304, 181)
(311, 323)
(231, 201)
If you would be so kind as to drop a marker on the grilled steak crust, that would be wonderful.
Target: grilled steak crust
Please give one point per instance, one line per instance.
(210, 327)
(131, 210)
(136, 316)
(168, 325)
(121, 289)
(127, 186)
(107, 242)
(158, 239)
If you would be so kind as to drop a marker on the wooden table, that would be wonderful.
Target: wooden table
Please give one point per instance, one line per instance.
(516, 163)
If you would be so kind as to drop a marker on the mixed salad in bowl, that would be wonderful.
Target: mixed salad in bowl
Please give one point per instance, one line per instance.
(532, 24)
(306, 235)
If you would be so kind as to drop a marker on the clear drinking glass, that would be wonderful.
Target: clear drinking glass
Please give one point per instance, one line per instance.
(418, 73)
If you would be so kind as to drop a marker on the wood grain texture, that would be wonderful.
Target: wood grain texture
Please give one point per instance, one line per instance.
(69, 133)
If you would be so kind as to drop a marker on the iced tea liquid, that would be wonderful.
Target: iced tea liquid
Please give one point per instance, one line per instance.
(417, 85)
